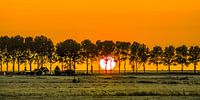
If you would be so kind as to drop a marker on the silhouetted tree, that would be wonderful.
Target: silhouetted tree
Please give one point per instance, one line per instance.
(1, 54)
(194, 56)
(29, 51)
(61, 60)
(1, 59)
(93, 55)
(52, 58)
(182, 56)
(143, 55)
(18, 50)
(86, 45)
(7, 59)
(107, 49)
(99, 51)
(12, 50)
(122, 51)
(42, 46)
(69, 49)
(88, 51)
(41, 50)
(169, 56)
(156, 56)
(61, 52)
(134, 56)
(4, 50)
(22, 60)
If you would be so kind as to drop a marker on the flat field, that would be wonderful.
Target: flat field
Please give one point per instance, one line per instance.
(118, 87)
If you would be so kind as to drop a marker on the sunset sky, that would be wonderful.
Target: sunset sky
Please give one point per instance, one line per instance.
(153, 22)
(148, 21)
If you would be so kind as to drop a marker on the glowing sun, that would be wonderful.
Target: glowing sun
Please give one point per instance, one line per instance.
(107, 63)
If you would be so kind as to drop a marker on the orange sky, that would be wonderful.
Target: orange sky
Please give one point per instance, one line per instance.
(153, 22)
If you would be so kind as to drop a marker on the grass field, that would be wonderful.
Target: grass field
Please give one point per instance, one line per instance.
(139, 87)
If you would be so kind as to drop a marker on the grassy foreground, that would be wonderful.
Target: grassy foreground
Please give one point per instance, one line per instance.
(118, 87)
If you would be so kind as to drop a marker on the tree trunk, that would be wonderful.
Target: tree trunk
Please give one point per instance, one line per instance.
(30, 66)
(136, 67)
(1, 66)
(74, 68)
(74, 65)
(13, 65)
(99, 68)
(99, 65)
(182, 68)
(91, 67)
(38, 64)
(50, 67)
(157, 68)
(42, 62)
(110, 66)
(195, 68)
(106, 66)
(169, 68)
(25, 68)
(144, 67)
(7, 66)
(125, 66)
(18, 65)
(70, 67)
(62, 66)
(87, 65)
(119, 64)
(133, 67)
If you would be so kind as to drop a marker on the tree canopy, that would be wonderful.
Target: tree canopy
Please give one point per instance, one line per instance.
(41, 50)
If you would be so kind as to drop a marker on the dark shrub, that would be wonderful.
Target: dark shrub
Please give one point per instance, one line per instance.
(146, 82)
(170, 82)
(184, 78)
(41, 71)
(57, 71)
(76, 80)
(69, 72)
(120, 94)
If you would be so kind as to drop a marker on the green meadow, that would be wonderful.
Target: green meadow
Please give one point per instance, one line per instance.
(118, 87)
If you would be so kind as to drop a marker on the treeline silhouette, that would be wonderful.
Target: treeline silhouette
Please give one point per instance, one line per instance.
(41, 50)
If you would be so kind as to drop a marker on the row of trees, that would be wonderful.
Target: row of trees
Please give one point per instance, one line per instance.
(41, 50)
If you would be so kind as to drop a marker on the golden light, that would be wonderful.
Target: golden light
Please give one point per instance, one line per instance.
(108, 63)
